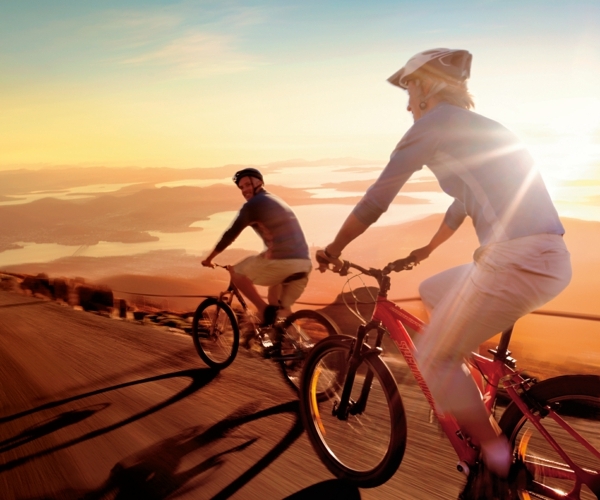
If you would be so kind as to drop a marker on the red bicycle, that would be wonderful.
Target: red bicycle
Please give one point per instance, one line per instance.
(359, 430)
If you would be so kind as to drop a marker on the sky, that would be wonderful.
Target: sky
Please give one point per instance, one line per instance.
(207, 83)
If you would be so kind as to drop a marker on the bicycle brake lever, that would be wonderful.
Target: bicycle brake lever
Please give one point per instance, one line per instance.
(345, 268)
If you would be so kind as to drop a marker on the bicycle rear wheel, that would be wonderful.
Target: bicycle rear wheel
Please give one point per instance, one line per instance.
(300, 332)
(367, 447)
(215, 333)
(576, 400)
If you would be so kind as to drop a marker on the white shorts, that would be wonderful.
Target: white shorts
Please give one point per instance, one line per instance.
(273, 272)
(473, 302)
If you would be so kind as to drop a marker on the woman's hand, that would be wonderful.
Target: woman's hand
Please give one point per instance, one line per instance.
(324, 258)
(420, 253)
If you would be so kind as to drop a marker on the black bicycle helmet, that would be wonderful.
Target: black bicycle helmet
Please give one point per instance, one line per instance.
(452, 64)
(246, 172)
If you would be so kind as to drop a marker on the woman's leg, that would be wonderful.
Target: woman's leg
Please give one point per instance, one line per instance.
(482, 302)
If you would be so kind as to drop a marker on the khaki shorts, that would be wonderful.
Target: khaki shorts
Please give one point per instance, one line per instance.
(273, 272)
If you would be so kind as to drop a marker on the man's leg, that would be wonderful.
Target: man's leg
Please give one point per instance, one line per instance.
(248, 289)
(290, 294)
(274, 295)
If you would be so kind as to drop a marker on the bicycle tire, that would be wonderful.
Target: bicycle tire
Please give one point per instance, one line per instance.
(576, 398)
(215, 333)
(301, 331)
(367, 448)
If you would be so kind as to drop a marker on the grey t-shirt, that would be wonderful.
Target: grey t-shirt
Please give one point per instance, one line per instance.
(478, 162)
(276, 224)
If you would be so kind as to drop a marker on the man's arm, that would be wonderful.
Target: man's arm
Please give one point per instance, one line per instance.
(229, 236)
(208, 261)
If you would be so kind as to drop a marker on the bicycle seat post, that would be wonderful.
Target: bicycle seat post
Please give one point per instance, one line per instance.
(501, 352)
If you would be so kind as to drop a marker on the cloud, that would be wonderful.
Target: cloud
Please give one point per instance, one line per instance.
(198, 54)
(190, 40)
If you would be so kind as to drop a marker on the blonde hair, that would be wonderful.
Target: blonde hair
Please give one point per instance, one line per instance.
(454, 92)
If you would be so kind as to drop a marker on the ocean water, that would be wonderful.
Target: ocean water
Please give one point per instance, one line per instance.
(575, 196)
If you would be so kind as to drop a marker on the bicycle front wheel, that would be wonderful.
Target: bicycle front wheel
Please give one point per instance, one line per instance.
(572, 403)
(301, 331)
(215, 333)
(366, 446)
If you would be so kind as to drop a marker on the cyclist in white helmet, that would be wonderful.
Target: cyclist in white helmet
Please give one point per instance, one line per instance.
(521, 263)
(284, 265)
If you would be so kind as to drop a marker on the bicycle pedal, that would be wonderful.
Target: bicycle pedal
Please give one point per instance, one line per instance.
(266, 343)
(272, 351)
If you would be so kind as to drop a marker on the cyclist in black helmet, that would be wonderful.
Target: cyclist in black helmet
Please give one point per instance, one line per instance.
(284, 265)
(521, 263)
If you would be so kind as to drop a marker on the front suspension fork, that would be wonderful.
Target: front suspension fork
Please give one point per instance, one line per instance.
(346, 406)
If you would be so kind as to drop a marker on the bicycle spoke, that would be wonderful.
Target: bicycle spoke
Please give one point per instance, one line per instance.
(359, 444)
(299, 334)
(215, 333)
(568, 467)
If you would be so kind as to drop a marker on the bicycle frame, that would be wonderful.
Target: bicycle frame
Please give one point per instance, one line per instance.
(232, 291)
(228, 295)
(393, 318)
(489, 374)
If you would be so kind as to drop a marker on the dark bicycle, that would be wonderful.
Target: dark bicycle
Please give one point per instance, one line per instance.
(216, 333)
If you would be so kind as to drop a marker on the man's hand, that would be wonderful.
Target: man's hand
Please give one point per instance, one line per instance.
(324, 261)
(207, 263)
(420, 253)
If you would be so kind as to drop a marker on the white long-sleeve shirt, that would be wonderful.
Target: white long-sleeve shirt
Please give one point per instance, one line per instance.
(478, 162)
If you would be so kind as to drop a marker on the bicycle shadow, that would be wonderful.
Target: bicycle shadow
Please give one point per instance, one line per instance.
(165, 359)
(198, 379)
(156, 473)
(50, 425)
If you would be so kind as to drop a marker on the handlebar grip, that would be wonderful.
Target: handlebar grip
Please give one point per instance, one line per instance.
(343, 271)
(321, 260)
(401, 264)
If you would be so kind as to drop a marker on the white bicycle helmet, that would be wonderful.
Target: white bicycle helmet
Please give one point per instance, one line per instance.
(453, 64)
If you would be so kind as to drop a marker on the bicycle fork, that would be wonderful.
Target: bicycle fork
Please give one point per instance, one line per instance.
(346, 406)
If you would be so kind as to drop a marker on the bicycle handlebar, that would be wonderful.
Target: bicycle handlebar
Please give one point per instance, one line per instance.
(404, 264)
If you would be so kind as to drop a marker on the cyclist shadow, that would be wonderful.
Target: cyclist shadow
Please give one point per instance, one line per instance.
(156, 473)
